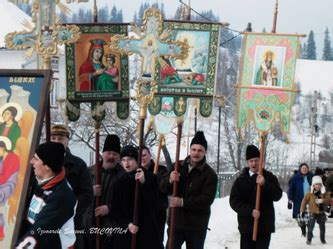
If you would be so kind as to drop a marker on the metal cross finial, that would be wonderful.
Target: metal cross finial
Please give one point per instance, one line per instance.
(152, 43)
(47, 32)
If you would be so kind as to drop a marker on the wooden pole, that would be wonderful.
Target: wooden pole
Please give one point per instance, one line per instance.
(143, 115)
(275, 16)
(258, 194)
(175, 186)
(98, 181)
(47, 65)
(95, 12)
(157, 161)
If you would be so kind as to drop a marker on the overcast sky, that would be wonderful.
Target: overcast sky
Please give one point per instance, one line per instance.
(295, 16)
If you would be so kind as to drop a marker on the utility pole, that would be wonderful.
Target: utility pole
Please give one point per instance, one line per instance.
(314, 128)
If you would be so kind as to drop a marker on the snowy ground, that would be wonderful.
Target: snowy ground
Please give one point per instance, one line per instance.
(224, 233)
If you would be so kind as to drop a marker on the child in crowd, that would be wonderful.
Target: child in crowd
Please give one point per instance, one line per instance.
(317, 199)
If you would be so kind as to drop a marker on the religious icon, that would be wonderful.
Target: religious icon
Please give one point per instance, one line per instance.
(268, 66)
(94, 71)
(21, 110)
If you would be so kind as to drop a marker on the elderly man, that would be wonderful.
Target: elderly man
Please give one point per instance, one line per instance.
(78, 176)
(111, 170)
(49, 221)
(243, 198)
(197, 183)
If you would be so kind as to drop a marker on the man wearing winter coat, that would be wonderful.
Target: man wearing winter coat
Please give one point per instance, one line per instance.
(78, 177)
(162, 201)
(243, 198)
(123, 200)
(197, 183)
(111, 171)
(50, 218)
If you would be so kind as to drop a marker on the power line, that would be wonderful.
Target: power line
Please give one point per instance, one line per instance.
(208, 19)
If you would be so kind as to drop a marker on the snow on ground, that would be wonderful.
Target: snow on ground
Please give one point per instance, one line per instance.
(224, 232)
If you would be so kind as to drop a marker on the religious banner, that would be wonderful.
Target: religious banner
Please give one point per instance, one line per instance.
(96, 73)
(266, 90)
(23, 98)
(193, 76)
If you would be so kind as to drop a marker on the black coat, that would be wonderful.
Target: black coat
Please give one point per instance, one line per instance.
(78, 177)
(198, 189)
(108, 179)
(243, 198)
(122, 209)
(162, 199)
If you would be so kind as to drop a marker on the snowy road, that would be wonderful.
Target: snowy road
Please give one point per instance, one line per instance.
(224, 234)
(290, 238)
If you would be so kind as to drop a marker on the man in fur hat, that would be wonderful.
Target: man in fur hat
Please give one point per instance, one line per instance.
(111, 170)
(197, 183)
(243, 198)
(50, 218)
(78, 177)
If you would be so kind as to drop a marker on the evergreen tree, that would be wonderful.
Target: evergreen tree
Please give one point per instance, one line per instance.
(113, 14)
(135, 18)
(140, 14)
(81, 18)
(178, 13)
(311, 47)
(103, 14)
(162, 10)
(303, 55)
(75, 18)
(120, 16)
(88, 17)
(327, 51)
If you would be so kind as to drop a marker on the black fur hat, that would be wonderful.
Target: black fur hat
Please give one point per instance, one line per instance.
(112, 143)
(199, 138)
(252, 152)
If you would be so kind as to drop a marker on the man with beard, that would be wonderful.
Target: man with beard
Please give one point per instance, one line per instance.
(110, 172)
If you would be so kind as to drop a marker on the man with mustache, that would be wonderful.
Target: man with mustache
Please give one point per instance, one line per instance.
(111, 170)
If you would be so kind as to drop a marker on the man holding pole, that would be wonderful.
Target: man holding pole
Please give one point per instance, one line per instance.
(243, 201)
(197, 183)
(111, 171)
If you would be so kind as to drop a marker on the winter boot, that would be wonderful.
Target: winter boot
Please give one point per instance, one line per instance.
(303, 227)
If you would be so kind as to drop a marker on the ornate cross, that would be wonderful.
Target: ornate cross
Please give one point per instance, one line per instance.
(152, 43)
(46, 33)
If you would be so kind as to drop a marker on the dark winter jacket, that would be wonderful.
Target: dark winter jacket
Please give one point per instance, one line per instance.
(122, 210)
(108, 179)
(296, 192)
(162, 199)
(79, 178)
(329, 183)
(243, 198)
(50, 216)
(198, 189)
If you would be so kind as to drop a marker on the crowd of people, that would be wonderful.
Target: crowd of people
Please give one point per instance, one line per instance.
(72, 207)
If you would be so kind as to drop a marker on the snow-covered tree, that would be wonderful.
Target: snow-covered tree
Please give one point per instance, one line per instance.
(311, 47)
(327, 50)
